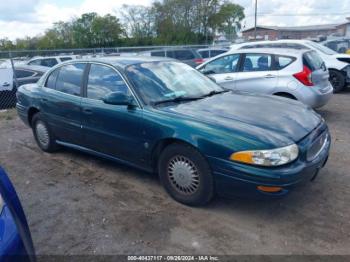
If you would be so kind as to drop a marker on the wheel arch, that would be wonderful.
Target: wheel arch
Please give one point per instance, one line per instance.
(162, 144)
(31, 112)
(285, 94)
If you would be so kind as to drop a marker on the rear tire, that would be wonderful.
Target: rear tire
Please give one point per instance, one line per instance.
(186, 175)
(43, 135)
(337, 80)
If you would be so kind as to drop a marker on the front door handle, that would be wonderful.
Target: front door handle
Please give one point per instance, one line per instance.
(87, 111)
(270, 76)
(228, 78)
(44, 99)
(6, 84)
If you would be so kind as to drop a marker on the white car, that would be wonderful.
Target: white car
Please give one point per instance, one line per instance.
(337, 64)
(49, 61)
(296, 74)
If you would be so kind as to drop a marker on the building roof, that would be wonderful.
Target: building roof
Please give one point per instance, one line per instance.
(296, 28)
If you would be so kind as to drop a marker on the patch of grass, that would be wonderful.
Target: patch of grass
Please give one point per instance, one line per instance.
(8, 114)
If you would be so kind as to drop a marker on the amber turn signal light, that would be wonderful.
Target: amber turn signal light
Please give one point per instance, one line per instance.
(270, 189)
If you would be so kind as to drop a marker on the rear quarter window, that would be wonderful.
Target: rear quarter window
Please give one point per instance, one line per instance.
(51, 80)
(283, 61)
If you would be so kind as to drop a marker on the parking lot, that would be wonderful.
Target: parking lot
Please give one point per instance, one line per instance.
(79, 204)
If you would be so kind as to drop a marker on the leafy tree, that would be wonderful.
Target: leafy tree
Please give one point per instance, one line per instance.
(228, 19)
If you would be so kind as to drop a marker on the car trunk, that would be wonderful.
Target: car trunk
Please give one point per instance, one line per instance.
(319, 72)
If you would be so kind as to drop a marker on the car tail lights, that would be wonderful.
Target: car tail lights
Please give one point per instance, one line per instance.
(304, 76)
(199, 61)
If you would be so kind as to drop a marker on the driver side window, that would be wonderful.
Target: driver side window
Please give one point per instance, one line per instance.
(222, 65)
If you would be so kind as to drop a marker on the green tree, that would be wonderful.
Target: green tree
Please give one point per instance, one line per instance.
(228, 19)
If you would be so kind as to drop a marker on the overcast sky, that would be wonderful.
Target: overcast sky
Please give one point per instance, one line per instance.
(19, 18)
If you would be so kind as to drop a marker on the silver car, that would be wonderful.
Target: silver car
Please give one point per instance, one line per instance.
(295, 74)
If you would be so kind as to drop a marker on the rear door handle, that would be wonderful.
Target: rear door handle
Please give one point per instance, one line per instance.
(228, 78)
(87, 111)
(44, 99)
(6, 84)
(270, 76)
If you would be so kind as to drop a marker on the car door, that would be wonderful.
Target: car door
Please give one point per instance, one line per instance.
(6, 79)
(223, 70)
(110, 129)
(257, 74)
(61, 102)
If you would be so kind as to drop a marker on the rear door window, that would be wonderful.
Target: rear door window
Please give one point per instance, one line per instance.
(283, 61)
(313, 61)
(70, 79)
(257, 62)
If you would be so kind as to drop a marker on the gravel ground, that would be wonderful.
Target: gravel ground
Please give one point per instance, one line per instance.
(79, 204)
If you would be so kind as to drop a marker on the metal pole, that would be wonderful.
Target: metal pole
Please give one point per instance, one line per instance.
(256, 12)
(14, 71)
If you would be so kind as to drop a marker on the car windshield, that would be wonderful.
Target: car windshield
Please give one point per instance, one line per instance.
(158, 82)
(322, 48)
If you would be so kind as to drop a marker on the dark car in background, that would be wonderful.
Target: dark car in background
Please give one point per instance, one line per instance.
(15, 239)
(185, 55)
(163, 116)
(211, 52)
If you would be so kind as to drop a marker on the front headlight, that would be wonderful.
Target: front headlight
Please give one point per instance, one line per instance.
(273, 157)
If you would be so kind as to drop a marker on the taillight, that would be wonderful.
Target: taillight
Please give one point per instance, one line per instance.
(198, 61)
(304, 76)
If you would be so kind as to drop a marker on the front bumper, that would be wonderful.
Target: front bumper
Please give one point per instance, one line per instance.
(236, 179)
(346, 71)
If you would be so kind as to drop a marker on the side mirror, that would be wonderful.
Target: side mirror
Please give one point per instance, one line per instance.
(118, 98)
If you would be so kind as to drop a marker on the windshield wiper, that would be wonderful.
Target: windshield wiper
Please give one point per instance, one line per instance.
(214, 92)
(175, 100)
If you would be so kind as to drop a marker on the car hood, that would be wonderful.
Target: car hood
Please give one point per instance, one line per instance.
(273, 120)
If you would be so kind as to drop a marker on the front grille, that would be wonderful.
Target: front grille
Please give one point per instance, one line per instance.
(317, 146)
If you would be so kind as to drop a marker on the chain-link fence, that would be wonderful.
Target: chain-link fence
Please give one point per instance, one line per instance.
(10, 60)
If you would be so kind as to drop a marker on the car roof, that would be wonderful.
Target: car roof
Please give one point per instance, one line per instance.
(122, 61)
(32, 67)
(301, 41)
(54, 56)
(275, 51)
(213, 48)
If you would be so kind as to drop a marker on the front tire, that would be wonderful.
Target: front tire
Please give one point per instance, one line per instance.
(186, 175)
(43, 135)
(337, 80)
